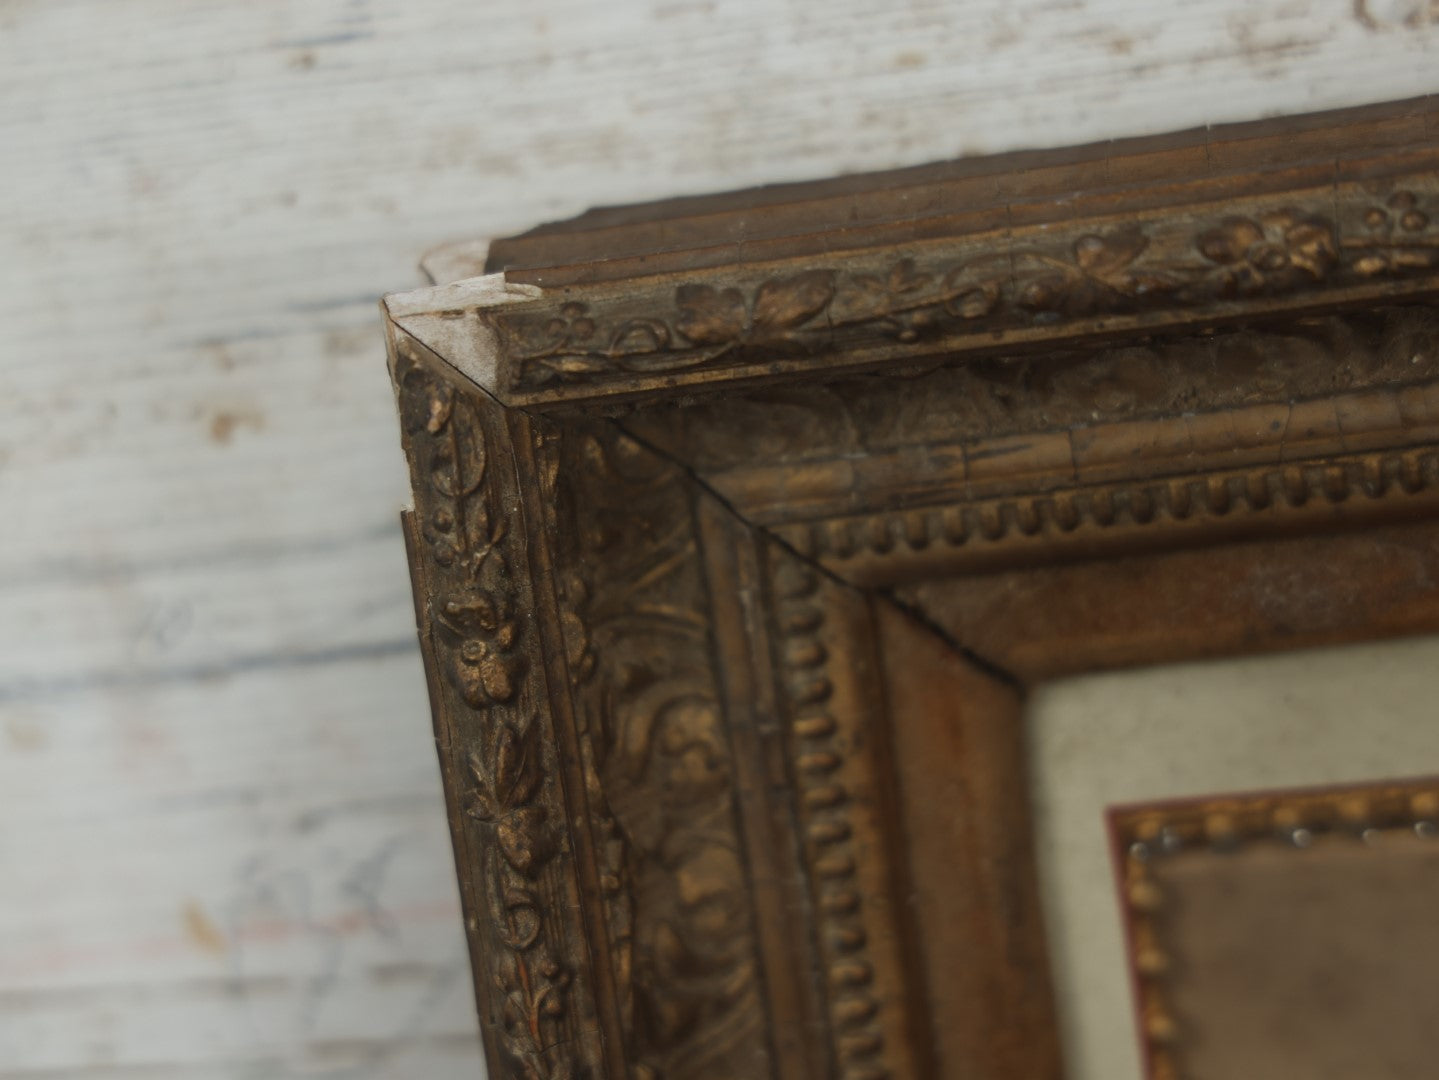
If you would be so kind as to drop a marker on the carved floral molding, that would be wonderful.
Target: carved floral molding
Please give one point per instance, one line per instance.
(663, 627)
(975, 292)
(508, 789)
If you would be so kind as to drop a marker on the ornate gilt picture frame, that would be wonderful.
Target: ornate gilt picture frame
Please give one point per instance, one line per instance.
(743, 523)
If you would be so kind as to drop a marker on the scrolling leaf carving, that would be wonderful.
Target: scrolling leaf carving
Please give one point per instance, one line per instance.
(1105, 271)
(657, 762)
(511, 798)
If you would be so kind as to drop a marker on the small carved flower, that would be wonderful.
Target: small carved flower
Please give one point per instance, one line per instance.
(482, 668)
(573, 325)
(572, 343)
(483, 674)
(1397, 238)
(1273, 252)
(559, 345)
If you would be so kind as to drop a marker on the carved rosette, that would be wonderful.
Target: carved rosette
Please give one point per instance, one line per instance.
(963, 292)
(476, 621)
(657, 759)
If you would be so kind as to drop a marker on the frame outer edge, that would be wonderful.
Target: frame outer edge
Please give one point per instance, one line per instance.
(444, 741)
(499, 755)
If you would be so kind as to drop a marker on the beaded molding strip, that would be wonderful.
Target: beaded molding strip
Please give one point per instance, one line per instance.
(1145, 836)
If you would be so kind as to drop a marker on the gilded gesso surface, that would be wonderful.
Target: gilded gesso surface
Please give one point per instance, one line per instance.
(656, 761)
(634, 704)
(656, 757)
(477, 621)
(1156, 269)
(611, 543)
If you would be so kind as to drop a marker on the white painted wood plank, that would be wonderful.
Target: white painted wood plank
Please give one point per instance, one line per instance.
(207, 674)
(266, 880)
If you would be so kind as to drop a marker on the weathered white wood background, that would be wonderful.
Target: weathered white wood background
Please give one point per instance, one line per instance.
(222, 850)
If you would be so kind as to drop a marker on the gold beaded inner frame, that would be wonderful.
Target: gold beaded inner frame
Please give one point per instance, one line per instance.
(1284, 933)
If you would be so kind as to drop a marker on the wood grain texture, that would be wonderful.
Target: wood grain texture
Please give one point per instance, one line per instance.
(958, 747)
(1226, 599)
(224, 851)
